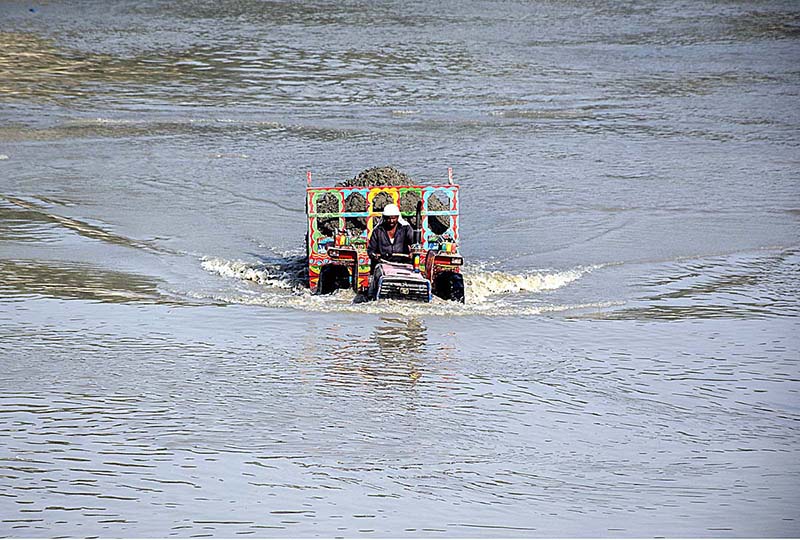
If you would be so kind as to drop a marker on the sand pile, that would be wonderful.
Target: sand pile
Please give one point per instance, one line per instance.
(378, 176)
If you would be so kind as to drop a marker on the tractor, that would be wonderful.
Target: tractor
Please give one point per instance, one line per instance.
(341, 220)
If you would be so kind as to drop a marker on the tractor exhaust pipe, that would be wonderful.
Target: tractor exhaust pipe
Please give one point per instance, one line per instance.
(418, 230)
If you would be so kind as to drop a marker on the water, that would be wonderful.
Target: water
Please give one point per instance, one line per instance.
(625, 365)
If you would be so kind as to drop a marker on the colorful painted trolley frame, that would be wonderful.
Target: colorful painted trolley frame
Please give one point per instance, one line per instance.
(318, 242)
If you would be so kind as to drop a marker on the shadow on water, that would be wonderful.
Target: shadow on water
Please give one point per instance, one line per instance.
(307, 14)
(70, 280)
(33, 213)
(19, 224)
(33, 67)
(203, 127)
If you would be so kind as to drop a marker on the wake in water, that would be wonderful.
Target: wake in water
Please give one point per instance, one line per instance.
(288, 273)
(484, 284)
(489, 292)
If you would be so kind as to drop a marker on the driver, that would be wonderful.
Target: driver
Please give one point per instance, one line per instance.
(393, 235)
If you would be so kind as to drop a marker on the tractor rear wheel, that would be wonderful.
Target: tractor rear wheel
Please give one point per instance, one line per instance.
(333, 277)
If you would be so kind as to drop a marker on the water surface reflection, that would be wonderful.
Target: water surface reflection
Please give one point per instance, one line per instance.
(394, 353)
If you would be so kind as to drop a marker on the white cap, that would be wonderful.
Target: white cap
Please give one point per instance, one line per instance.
(391, 210)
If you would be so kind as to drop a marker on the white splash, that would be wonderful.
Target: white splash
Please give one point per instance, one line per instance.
(483, 284)
(233, 155)
(271, 275)
(488, 292)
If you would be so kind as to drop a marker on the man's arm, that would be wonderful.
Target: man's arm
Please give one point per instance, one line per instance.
(409, 238)
(373, 247)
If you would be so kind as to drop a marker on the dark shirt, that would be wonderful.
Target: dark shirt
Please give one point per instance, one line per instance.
(379, 243)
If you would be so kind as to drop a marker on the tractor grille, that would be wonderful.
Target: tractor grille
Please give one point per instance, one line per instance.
(405, 290)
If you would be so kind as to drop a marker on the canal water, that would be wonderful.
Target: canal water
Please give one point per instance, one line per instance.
(626, 363)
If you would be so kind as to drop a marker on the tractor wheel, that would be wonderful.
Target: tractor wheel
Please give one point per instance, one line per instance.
(333, 277)
(449, 286)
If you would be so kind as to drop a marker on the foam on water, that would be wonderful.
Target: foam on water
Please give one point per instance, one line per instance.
(483, 284)
(272, 275)
(488, 292)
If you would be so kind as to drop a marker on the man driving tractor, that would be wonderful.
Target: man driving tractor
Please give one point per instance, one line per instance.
(391, 239)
